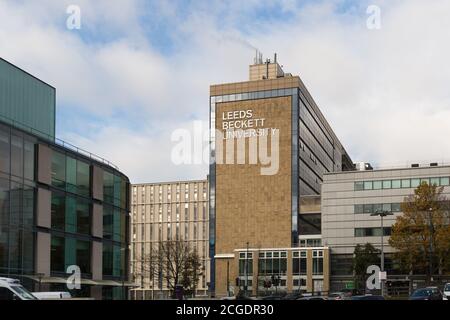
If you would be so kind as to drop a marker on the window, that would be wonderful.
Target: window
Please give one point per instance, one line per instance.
(4, 151)
(317, 262)
(71, 174)
(108, 187)
(299, 282)
(387, 184)
(299, 262)
(371, 232)
(426, 180)
(83, 217)
(434, 181)
(58, 212)
(273, 262)
(395, 207)
(310, 223)
(58, 170)
(377, 185)
(368, 208)
(358, 208)
(387, 207)
(17, 156)
(406, 183)
(368, 185)
(444, 181)
(83, 178)
(107, 259)
(396, 184)
(415, 183)
(83, 256)
(245, 263)
(108, 220)
(57, 254)
(359, 185)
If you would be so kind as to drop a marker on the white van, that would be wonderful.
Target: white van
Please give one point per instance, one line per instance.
(11, 289)
(446, 293)
(52, 295)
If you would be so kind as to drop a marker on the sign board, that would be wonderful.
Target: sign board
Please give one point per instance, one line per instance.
(349, 285)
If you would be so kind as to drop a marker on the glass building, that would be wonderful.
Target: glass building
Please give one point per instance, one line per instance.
(60, 207)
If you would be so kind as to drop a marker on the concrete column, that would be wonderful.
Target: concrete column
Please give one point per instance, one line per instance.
(309, 271)
(97, 220)
(43, 249)
(43, 212)
(289, 272)
(255, 272)
(44, 164)
(326, 270)
(97, 260)
(97, 183)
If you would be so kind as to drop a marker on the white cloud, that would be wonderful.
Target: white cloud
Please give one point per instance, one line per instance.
(384, 91)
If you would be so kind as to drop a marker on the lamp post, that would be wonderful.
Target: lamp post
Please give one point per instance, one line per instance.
(228, 278)
(382, 214)
(246, 271)
(430, 217)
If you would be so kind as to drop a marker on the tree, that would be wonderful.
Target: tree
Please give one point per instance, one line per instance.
(174, 262)
(364, 256)
(411, 234)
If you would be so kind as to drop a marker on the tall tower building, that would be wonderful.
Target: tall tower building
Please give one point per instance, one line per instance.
(270, 145)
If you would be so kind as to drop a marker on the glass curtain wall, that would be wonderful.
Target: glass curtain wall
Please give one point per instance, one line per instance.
(17, 197)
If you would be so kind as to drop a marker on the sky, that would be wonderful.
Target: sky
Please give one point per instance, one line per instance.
(137, 70)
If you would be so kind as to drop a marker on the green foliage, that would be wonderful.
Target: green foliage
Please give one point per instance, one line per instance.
(425, 218)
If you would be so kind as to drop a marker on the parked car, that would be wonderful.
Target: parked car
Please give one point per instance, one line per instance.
(446, 293)
(368, 297)
(351, 292)
(271, 298)
(337, 296)
(293, 296)
(428, 293)
(313, 298)
(52, 295)
(11, 289)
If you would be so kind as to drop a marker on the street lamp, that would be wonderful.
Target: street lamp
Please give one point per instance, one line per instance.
(382, 214)
(246, 271)
(430, 217)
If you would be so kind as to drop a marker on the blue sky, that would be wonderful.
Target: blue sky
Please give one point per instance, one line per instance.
(138, 70)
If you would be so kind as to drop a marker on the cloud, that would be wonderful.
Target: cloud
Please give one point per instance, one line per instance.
(138, 70)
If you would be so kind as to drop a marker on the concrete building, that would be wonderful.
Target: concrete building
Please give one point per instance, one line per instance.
(255, 203)
(60, 206)
(348, 198)
(162, 212)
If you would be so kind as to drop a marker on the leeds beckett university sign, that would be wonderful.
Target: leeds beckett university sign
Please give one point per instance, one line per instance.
(241, 124)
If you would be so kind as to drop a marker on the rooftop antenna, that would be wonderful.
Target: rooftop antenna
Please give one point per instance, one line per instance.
(275, 58)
